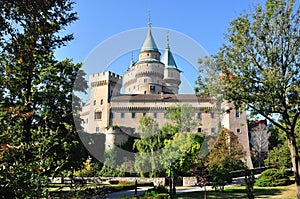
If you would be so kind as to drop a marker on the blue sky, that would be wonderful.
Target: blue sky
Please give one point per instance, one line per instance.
(205, 22)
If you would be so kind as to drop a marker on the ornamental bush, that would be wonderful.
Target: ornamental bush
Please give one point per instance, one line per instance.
(273, 177)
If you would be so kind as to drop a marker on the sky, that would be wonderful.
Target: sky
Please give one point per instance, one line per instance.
(202, 23)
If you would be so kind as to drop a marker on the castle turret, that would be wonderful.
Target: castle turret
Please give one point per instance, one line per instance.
(104, 86)
(171, 72)
(146, 75)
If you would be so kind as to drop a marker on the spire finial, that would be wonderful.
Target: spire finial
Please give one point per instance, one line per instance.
(168, 45)
(149, 18)
(132, 61)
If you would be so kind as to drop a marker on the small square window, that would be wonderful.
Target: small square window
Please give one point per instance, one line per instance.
(155, 115)
(122, 115)
(238, 131)
(101, 102)
(213, 130)
(199, 116)
(95, 102)
(152, 88)
(212, 115)
(144, 113)
(97, 129)
(111, 115)
(133, 115)
(237, 114)
(199, 130)
(98, 115)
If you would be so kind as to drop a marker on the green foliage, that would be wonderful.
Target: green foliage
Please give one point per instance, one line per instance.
(151, 140)
(109, 168)
(279, 156)
(259, 66)
(182, 117)
(156, 191)
(89, 169)
(226, 156)
(182, 151)
(273, 177)
(38, 135)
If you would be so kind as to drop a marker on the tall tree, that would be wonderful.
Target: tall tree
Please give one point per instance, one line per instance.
(260, 66)
(226, 155)
(38, 135)
(260, 141)
(151, 140)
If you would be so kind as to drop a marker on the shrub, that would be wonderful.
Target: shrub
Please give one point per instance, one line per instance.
(273, 177)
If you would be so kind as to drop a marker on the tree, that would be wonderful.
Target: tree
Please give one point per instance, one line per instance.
(151, 140)
(260, 66)
(182, 116)
(227, 155)
(38, 135)
(260, 141)
(182, 150)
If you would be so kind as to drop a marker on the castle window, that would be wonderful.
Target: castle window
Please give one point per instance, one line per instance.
(165, 115)
(152, 88)
(97, 129)
(122, 115)
(101, 102)
(98, 115)
(238, 131)
(133, 115)
(145, 80)
(237, 114)
(95, 102)
(199, 115)
(212, 115)
(145, 92)
(213, 130)
(111, 115)
(144, 113)
(155, 115)
(199, 130)
(87, 120)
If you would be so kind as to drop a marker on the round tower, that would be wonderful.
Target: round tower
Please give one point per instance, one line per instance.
(171, 72)
(147, 74)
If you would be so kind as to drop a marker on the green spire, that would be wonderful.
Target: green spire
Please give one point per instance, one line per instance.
(149, 43)
(168, 58)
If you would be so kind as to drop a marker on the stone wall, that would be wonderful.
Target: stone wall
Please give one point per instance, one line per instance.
(189, 181)
(105, 180)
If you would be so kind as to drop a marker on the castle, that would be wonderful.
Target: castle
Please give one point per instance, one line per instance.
(151, 85)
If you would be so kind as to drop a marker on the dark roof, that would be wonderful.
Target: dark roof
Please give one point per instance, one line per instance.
(159, 97)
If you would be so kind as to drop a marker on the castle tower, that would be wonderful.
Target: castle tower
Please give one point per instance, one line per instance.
(104, 86)
(146, 75)
(171, 72)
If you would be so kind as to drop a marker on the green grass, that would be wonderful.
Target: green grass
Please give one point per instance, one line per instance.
(284, 192)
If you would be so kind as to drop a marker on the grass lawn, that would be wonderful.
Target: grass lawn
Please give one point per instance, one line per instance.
(282, 192)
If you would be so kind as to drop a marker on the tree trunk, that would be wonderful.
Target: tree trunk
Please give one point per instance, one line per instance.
(295, 160)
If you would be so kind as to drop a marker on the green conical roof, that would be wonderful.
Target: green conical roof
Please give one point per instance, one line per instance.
(168, 58)
(149, 43)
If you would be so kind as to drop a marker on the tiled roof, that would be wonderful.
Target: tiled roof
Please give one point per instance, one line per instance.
(159, 97)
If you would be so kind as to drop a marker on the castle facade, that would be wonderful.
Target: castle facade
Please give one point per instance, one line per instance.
(151, 85)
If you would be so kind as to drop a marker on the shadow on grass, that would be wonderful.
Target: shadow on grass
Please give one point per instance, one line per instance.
(232, 192)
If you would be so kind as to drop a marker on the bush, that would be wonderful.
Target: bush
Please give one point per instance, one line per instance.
(273, 177)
